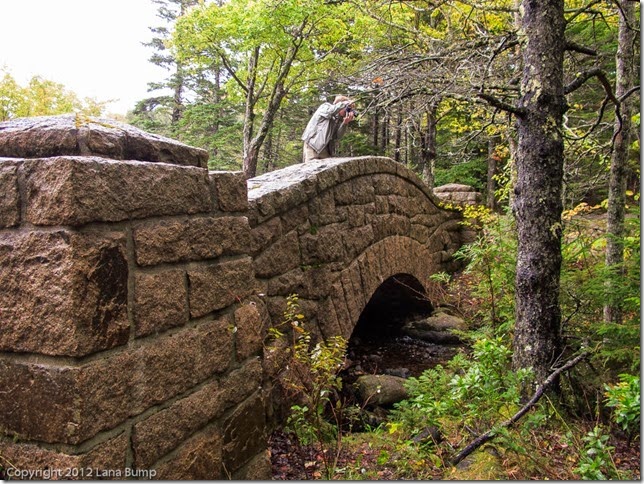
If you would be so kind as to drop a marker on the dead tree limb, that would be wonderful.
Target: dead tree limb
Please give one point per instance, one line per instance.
(497, 103)
(489, 435)
(610, 96)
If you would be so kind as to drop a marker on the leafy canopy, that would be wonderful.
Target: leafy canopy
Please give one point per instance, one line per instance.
(41, 97)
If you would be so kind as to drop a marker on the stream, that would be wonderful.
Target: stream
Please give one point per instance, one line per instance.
(398, 355)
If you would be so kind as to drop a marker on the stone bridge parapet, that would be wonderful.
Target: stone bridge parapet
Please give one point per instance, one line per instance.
(137, 287)
(333, 231)
(123, 283)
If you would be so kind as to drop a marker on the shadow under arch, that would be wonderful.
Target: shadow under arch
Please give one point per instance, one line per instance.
(379, 343)
(399, 299)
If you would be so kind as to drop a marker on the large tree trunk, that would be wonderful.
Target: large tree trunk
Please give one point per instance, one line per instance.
(538, 204)
(617, 181)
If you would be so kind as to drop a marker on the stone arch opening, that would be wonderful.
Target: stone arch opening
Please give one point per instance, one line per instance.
(399, 299)
(383, 340)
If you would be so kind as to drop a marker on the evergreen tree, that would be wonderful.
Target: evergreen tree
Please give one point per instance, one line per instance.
(622, 136)
(169, 11)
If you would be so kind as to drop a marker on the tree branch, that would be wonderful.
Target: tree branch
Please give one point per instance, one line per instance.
(628, 93)
(497, 103)
(579, 48)
(490, 434)
(585, 9)
(610, 96)
(584, 76)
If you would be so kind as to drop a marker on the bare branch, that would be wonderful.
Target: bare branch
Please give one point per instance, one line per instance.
(610, 96)
(585, 9)
(572, 46)
(582, 77)
(497, 103)
(632, 90)
(490, 434)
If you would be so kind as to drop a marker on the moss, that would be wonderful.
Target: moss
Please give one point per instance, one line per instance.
(481, 465)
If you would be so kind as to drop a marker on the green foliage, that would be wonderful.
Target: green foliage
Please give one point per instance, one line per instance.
(312, 377)
(471, 172)
(596, 463)
(491, 259)
(42, 97)
(473, 392)
(214, 127)
(624, 399)
(587, 285)
(264, 53)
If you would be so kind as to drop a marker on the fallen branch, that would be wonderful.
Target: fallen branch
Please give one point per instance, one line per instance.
(489, 435)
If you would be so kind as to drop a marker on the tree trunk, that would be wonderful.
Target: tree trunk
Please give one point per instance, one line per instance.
(375, 127)
(512, 144)
(617, 180)
(268, 153)
(538, 204)
(250, 152)
(177, 100)
(398, 134)
(428, 146)
(492, 168)
(384, 136)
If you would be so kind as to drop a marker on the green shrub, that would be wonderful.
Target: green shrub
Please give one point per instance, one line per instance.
(475, 391)
(491, 259)
(587, 285)
(595, 463)
(311, 376)
(624, 399)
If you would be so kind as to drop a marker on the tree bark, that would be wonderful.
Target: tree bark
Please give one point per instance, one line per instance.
(375, 127)
(537, 203)
(384, 136)
(492, 158)
(250, 152)
(428, 146)
(398, 134)
(177, 100)
(617, 179)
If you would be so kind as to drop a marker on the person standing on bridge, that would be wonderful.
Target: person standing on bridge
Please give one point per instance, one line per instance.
(326, 127)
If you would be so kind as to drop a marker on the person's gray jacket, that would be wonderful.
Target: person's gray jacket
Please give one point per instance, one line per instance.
(325, 127)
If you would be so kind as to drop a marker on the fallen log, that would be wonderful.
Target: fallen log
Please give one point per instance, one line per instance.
(489, 435)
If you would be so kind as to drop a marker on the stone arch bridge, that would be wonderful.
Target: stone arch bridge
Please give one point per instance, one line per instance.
(137, 287)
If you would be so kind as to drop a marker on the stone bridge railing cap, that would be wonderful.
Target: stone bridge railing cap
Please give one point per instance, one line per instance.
(78, 135)
(454, 187)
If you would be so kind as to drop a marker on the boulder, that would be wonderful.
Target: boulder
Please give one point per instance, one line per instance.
(437, 328)
(382, 390)
(458, 194)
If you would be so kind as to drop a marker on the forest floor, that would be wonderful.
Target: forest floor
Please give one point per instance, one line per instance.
(384, 454)
(370, 457)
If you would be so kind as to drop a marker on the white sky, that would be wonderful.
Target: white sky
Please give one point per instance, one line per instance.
(93, 47)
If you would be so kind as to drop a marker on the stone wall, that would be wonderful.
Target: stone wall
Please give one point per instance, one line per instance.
(333, 231)
(458, 194)
(137, 287)
(130, 330)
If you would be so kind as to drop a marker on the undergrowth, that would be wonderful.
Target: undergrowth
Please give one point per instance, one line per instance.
(571, 434)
